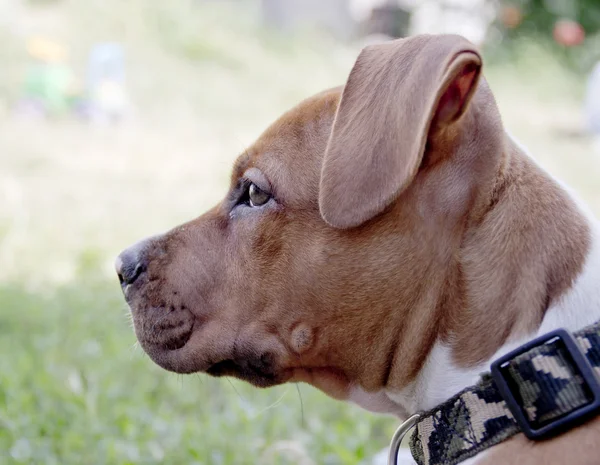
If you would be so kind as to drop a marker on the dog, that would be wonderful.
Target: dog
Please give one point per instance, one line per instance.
(383, 241)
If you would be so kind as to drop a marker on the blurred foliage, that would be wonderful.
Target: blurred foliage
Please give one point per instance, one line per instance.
(567, 29)
(540, 16)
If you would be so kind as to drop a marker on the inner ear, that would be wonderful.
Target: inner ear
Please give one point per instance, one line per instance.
(462, 80)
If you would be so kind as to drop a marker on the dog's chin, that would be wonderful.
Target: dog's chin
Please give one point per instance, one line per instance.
(246, 372)
(172, 356)
(176, 361)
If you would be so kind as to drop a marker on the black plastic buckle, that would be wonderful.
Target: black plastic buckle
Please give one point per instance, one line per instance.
(580, 366)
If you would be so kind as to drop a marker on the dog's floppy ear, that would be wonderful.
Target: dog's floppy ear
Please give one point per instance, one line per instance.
(396, 93)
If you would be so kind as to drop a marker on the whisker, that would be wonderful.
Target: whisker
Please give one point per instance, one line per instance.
(134, 350)
(160, 320)
(234, 388)
(302, 419)
(273, 405)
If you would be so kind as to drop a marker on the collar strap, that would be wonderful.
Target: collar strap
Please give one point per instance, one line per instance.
(543, 388)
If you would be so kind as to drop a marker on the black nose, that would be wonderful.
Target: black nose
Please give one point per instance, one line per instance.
(131, 263)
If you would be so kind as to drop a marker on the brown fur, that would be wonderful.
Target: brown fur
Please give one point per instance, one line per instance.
(442, 229)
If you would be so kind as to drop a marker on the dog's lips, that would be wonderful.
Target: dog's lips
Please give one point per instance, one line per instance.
(160, 328)
(173, 341)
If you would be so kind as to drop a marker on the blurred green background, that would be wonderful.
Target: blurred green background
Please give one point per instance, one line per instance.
(201, 80)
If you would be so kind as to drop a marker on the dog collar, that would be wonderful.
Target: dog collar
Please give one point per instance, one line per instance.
(542, 389)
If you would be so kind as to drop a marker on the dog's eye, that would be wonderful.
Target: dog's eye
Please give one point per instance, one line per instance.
(256, 196)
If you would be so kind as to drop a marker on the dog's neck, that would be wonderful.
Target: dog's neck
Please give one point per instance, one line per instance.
(496, 253)
(444, 373)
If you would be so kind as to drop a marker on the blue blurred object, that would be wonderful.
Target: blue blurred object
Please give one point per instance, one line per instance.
(106, 61)
(592, 101)
(106, 82)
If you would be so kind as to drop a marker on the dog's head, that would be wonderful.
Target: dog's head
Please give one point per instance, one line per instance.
(340, 221)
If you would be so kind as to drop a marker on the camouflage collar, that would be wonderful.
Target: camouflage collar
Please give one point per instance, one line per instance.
(542, 389)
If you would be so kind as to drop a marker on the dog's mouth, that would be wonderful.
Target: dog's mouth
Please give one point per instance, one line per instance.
(177, 341)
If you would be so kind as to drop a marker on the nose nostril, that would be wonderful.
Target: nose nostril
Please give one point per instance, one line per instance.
(139, 269)
(132, 263)
(129, 269)
(119, 269)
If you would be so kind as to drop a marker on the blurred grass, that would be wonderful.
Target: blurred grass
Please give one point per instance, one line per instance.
(74, 389)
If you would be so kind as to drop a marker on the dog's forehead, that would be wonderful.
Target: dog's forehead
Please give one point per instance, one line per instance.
(290, 151)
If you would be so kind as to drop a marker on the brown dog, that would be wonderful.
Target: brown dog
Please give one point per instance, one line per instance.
(383, 242)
